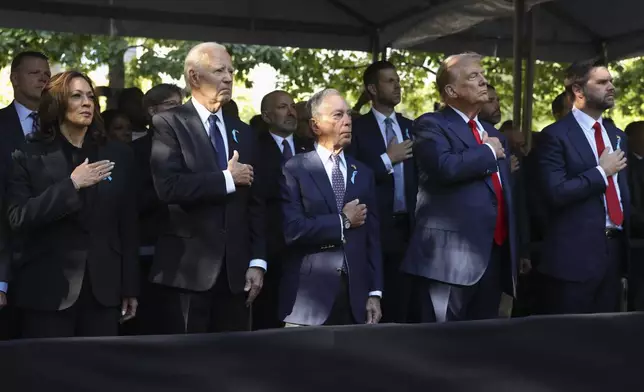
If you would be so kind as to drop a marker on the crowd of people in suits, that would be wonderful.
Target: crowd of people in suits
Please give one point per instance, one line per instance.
(171, 216)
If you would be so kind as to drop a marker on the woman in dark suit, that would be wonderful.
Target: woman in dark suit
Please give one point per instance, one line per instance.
(71, 204)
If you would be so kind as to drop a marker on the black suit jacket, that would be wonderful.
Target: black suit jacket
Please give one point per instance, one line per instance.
(636, 185)
(58, 243)
(152, 212)
(367, 145)
(11, 138)
(269, 173)
(206, 225)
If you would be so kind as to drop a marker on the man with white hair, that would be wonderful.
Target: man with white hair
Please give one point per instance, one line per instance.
(209, 262)
(333, 272)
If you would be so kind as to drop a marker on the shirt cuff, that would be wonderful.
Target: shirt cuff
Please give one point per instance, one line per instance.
(376, 293)
(603, 173)
(230, 183)
(3, 287)
(387, 162)
(491, 148)
(259, 263)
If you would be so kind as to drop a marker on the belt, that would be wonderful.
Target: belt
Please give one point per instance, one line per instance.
(612, 233)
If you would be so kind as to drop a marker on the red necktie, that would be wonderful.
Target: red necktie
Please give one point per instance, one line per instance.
(501, 228)
(615, 212)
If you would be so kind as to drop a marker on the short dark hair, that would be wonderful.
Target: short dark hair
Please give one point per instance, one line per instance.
(159, 93)
(20, 57)
(578, 73)
(558, 104)
(129, 95)
(636, 127)
(370, 75)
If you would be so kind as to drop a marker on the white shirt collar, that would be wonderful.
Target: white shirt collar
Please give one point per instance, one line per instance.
(381, 117)
(204, 113)
(278, 139)
(325, 155)
(23, 111)
(463, 116)
(585, 121)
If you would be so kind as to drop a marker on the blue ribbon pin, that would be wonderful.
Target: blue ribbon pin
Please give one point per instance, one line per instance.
(108, 178)
(353, 177)
(235, 132)
(619, 141)
(407, 133)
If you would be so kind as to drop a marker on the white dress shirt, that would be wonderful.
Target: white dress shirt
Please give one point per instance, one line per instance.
(479, 127)
(26, 122)
(586, 123)
(279, 140)
(380, 119)
(204, 115)
(327, 161)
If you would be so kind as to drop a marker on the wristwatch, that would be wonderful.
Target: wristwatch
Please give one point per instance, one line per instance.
(345, 221)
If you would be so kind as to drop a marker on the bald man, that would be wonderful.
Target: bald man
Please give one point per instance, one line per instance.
(276, 146)
(210, 258)
(464, 246)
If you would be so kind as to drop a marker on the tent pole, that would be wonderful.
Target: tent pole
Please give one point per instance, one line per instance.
(375, 46)
(529, 76)
(519, 11)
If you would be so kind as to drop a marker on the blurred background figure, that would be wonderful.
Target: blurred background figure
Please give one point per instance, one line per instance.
(230, 109)
(130, 102)
(117, 125)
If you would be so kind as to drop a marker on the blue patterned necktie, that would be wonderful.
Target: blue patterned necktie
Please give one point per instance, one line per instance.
(337, 181)
(217, 142)
(287, 153)
(35, 125)
(399, 178)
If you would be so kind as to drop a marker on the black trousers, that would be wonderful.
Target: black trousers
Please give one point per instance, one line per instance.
(265, 306)
(341, 312)
(86, 317)
(600, 295)
(442, 301)
(397, 286)
(178, 311)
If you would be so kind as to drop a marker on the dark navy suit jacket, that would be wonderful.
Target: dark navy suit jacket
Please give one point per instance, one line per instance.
(574, 246)
(456, 207)
(312, 229)
(367, 145)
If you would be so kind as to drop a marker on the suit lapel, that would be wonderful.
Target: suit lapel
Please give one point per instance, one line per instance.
(300, 145)
(318, 173)
(579, 141)
(16, 135)
(201, 144)
(233, 136)
(353, 177)
(404, 125)
(459, 127)
(374, 135)
(55, 162)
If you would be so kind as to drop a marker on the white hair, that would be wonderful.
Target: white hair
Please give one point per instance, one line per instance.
(316, 100)
(197, 57)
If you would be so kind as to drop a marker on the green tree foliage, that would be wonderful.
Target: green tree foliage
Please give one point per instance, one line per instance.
(303, 71)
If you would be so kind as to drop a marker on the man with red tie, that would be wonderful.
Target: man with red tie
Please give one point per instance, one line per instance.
(464, 247)
(580, 158)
